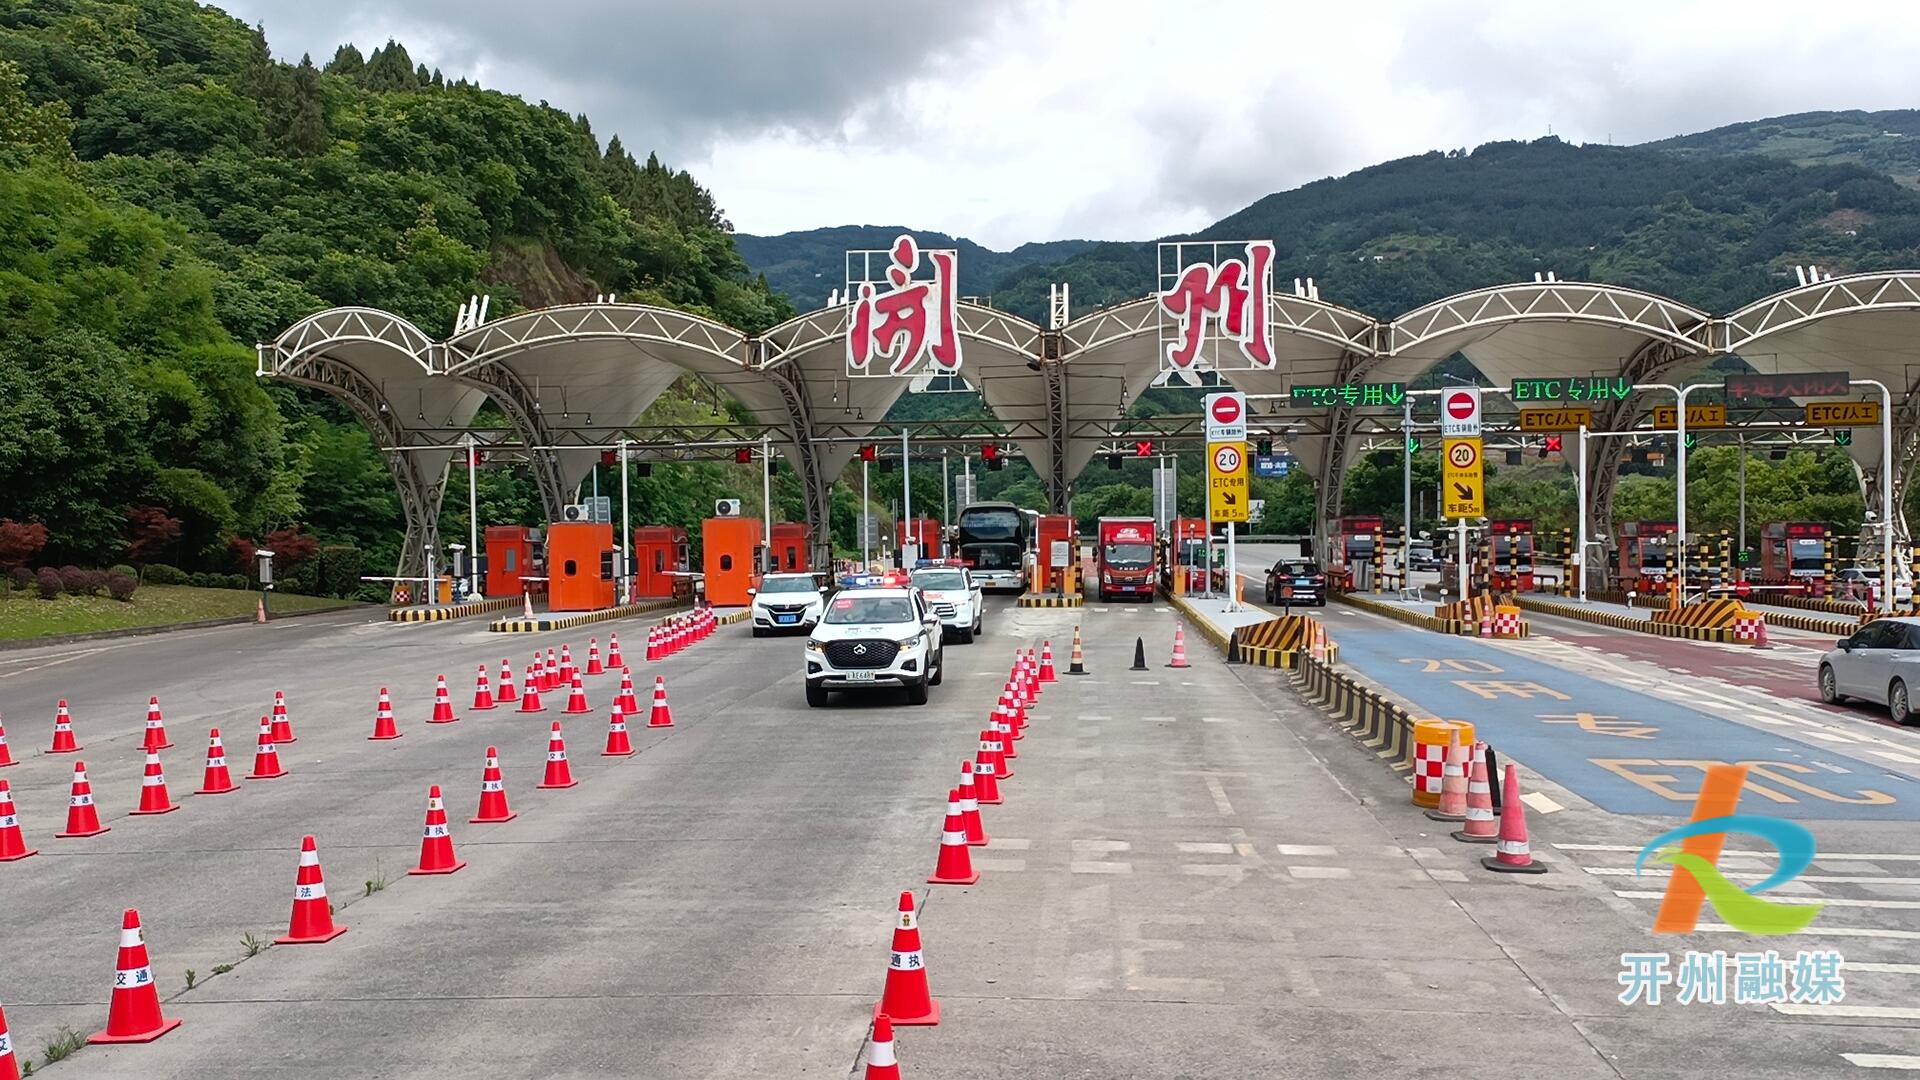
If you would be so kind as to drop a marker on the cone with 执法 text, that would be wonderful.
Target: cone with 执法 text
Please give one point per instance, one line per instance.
(312, 922)
(493, 793)
(906, 998)
(436, 843)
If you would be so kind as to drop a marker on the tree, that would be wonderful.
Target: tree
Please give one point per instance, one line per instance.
(306, 125)
(19, 543)
(390, 68)
(151, 534)
(347, 62)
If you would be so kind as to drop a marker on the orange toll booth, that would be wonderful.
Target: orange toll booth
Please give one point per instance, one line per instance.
(730, 553)
(1512, 555)
(1186, 555)
(1795, 553)
(659, 552)
(513, 552)
(580, 566)
(923, 531)
(790, 547)
(1647, 554)
(1047, 577)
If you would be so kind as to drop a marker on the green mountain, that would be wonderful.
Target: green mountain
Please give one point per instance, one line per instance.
(1886, 141)
(807, 266)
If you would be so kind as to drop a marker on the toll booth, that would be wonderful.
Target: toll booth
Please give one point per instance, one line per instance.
(1511, 568)
(1647, 555)
(1047, 578)
(514, 552)
(1355, 550)
(1186, 556)
(660, 555)
(581, 575)
(789, 547)
(1797, 553)
(730, 553)
(923, 531)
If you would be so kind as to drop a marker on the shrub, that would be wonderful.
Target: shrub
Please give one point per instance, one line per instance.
(49, 583)
(123, 568)
(340, 568)
(18, 542)
(162, 574)
(23, 578)
(120, 586)
(75, 581)
(232, 581)
(200, 580)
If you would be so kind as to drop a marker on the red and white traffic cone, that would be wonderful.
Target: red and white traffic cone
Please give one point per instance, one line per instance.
(593, 657)
(970, 807)
(442, 703)
(1003, 730)
(530, 696)
(312, 921)
(566, 664)
(559, 771)
(550, 673)
(906, 999)
(1480, 827)
(63, 740)
(6, 752)
(133, 1012)
(482, 693)
(282, 726)
(218, 779)
(1002, 771)
(577, 698)
(1179, 647)
(526, 606)
(1453, 782)
(954, 866)
(626, 702)
(1046, 663)
(383, 725)
(507, 693)
(493, 793)
(618, 744)
(13, 844)
(1033, 676)
(986, 770)
(436, 844)
(1511, 853)
(9, 1065)
(661, 716)
(266, 755)
(156, 737)
(653, 643)
(613, 651)
(83, 818)
(882, 1064)
(153, 789)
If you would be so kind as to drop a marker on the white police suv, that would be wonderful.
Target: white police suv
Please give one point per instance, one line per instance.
(873, 636)
(787, 602)
(954, 595)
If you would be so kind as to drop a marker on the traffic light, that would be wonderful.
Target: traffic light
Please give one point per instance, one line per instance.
(989, 452)
(1746, 556)
(1550, 445)
(773, 465)
(643, 469)
(1843, 437)
(867, 452)
(1264, 447)
(743, 455)
(1413, 444)
(1143, 448)
(1114, 462)
(1692, 440)
(608, 457)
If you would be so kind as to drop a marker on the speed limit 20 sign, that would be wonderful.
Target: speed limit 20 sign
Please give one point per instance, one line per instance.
(1227, 481)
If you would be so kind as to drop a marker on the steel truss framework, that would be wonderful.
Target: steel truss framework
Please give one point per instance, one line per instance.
(1059, 395)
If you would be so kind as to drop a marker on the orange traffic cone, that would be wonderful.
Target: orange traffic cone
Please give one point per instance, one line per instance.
(970, 807)
(442, 703)
(1033, 676)
(577, 699)
(259, 610)
(153, 789)
(383, 726)
(506, 692)
(530, 694)
(13, 845)
(63, 740)
(282, 727)
(1179, 647)
(653, 644)
(1511, 853)
(312, 921)
(436, 844)
(526, 605)
(1046, 662)
(482, 693)
(218, 780)
(9, 1066)
(83, 818)
(550, 673)
(618, 744)
(881, 1062)
(905, 998)
(955, 864)
(266, 756)
(1453, 782)
(985, 777)
(493, 793)
(613, 651)
(133, 1013)
(625, 701)
(1077, 664)
(1002, 771)
(593, 657)
(156, 738)
(1002, 725)
(559, 772)
(566, 664)
(661, 716)
(1480, 827)
(6, 753)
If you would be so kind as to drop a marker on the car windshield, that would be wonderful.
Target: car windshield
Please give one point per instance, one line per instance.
(787, 585)
(1299, 569)
(1807, 554)
(940, 579)
(990, 524)
(1128, 554)
(870, 609)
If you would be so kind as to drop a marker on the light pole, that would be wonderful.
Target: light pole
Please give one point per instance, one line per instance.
(946, 500)
(766, 502)
(906, 498)
(866, 521)
(473, 523)
(626, 528)
(1406, 488)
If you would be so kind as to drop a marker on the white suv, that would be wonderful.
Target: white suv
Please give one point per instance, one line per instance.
(875, 637)
(787, 602)
(954, 596)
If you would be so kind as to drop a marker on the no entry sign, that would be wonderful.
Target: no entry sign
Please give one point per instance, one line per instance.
(1460, 412)
(1226, 418)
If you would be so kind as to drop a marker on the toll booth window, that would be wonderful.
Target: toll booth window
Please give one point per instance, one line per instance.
(726, 562)
(659, 560)
(793, 558)
(606, 566)
(512, 560)
(572, 568)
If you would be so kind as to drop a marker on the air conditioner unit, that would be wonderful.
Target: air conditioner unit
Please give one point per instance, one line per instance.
(726, 508)
(576, 512)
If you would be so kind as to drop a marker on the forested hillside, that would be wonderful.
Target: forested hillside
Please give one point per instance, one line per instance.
(1886, 141)
(807, 266)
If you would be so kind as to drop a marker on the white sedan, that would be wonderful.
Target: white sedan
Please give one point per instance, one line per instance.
(955, 596)
(787, 602)
(1880, 662)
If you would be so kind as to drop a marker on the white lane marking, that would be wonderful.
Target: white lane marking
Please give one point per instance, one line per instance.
(1326, 873)
(1824, 879)
(1877, 905)
(1100, 847)
(1145, 682)
(1099, 868)
(1877, 1012)
(1201, 847)
(1219, 793)
(1008, 843)
(1540, 803)
(1906, 1062)
(1818, 930)
(1885, 969)
(1159, 719)
(1893, 755)
(981, 862)
(1307, 849)
(1839, 855)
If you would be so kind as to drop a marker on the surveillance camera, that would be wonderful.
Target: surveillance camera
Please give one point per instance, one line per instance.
(1482, 521)
(1871, 515)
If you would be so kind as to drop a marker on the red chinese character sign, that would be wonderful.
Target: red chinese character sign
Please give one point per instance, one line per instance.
(1227, 290)
(905, 316)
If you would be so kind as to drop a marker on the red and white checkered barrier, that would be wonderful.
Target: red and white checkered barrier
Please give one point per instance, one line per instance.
(1750, 628)
(1506, 623)
(1429, 768)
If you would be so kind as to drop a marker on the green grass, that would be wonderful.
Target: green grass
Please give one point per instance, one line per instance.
(25, 615)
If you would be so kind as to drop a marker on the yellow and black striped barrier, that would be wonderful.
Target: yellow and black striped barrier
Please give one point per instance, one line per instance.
(1380, 726)
(1279, 643)
(567, 620)
(1403, 613)
(1049, 600)
(455, 611)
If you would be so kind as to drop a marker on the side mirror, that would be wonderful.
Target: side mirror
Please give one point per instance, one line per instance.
(1844, 644)
(823, 590)
(753, 592)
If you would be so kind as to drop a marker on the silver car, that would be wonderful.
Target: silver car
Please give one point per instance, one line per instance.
(1879, 662)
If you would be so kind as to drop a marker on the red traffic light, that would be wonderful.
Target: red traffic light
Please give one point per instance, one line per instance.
(1143, 448)
(608, 457)
(743, 456)
(1553, 444)
(867, 452)
(989, 452)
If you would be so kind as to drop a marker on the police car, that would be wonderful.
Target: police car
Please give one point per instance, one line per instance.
(954, 595)
(786, 602)
(878, 630)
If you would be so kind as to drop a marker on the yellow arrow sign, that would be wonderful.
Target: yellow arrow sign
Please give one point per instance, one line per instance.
(1463, 484)
(1227, 481)
(1842, 413)
(1555, 419)
(1698, 416)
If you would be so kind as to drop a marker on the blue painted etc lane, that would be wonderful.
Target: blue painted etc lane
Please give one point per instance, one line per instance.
(1624, 751)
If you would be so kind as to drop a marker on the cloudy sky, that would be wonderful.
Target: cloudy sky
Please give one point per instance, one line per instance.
(1009, 121)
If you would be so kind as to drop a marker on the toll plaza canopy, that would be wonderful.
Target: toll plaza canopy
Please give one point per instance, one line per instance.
(571, 380)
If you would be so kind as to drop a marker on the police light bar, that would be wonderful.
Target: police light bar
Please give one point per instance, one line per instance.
(924, 564)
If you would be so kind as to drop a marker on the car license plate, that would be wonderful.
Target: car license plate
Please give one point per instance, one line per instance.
(786, 620)
(857, 676)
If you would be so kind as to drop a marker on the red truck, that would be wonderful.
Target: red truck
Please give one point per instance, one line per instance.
(1124, 557)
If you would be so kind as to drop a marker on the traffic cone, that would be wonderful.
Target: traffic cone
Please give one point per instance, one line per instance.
(550, 674)
(881, 1062)
(133, 1013)
(383, 725)
(970, 807)
(259, 610)
(613, 651)
(436, 844)
(996, 753)
(577, 699)
(566, 664)
(1139, 655)
(493, 793)
(1016, 713)
(1453, 782)
(282, 727)
(266, 756)
(63, 740)
(153, 789)
(526, 607)
(83, 818)
(312, 921)
(536, 674)
(1480, 827)
(593, 657)
(507, 693)
(653, 643)
(559, 772)
(156, 738)
(218, 779)
(482, 693)
(905, 998)
(954, 865)
(1033, 676)
(1511, 854)
(625, 701)
(618, 744)
(661, 716)
(6, 752)
(442, 703)
(1046, 663)
(1077, 664)
(530, 696)
(1179, 647)
(13, 846)
(986, 777)
(10, 1066)
(1002, 725)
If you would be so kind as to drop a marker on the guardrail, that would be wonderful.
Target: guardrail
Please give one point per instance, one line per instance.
(1378, 725)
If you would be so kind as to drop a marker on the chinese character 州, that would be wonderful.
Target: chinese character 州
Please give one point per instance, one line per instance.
(912, 320)
(1234, 294)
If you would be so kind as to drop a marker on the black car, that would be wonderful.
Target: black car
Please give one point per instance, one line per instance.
(1291, 581)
